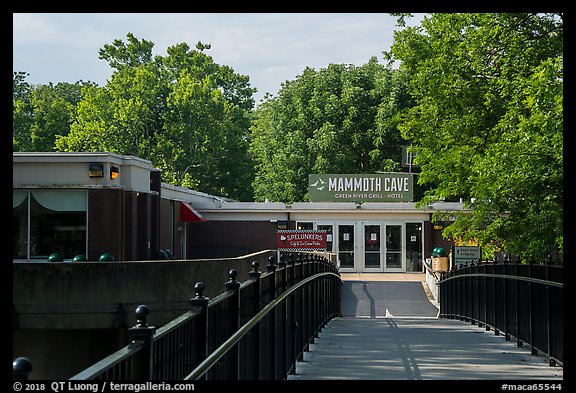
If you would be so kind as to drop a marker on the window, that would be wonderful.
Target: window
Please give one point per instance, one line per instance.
(305, 226)
(47, 222)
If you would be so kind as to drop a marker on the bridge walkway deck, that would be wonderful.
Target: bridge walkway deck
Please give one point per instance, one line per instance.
(390, 331)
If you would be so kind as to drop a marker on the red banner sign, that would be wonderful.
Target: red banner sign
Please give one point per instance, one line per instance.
(305, 240)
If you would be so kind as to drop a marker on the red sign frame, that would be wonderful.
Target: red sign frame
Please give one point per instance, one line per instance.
(304, 240)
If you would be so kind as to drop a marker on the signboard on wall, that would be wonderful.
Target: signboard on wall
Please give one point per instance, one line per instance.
(380, 187)
(461, 254)
(301, 240)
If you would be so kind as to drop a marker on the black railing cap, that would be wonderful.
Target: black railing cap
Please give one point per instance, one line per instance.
(142, 312)
(254, 273)
(232, 284)
(21, 368)
(199, 290)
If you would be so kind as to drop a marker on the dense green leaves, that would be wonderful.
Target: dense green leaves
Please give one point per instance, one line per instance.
(334, 120)
(40, 113)
(488, 123)
(185, 113)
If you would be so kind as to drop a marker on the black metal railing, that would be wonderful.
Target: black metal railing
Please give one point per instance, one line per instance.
(520, 300)
(254, 330)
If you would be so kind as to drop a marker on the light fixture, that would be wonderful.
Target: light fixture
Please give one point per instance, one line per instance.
(96, 169)
(114, 171)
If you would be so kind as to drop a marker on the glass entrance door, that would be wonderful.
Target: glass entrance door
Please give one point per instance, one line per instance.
(372, 247)
(414, 247)
(393, 248)
(346, 246)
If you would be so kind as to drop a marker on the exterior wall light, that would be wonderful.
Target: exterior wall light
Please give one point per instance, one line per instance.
(96, 169)
(114, 171)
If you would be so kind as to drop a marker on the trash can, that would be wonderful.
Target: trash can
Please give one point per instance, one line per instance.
(440, 262)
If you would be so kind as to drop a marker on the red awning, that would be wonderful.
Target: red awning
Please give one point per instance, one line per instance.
(189, 214)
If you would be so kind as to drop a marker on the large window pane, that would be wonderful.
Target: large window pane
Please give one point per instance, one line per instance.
(57, 223)
(19, 224)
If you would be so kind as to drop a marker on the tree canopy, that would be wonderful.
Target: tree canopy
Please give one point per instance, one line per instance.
(334, 120)
(41, 112)
(185, 113)
(488, 123)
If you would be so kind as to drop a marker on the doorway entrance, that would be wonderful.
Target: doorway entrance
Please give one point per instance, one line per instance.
(374, 246)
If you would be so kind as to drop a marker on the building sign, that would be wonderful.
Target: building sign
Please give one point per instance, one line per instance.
(462, 254)
(305, 240)
(381, 187)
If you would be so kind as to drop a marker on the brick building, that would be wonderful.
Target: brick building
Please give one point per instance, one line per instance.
(89, 204)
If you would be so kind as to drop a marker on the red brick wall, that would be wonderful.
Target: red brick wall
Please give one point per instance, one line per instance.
(104, 223)
(119, 222)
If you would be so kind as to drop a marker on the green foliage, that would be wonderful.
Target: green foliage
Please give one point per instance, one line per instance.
(41, 112)
(334, 120)
(488, 123)
(185, 113)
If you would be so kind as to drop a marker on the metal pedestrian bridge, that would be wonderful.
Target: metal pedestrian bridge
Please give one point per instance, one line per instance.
(301, 319)
(390, 330)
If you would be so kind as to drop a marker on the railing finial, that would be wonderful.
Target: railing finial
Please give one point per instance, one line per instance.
(271, 266)
(232, 284)
(199, 289)
(142, 313)
(254, 273)
(21, 368)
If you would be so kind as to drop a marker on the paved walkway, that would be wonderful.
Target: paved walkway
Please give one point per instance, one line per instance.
(389, 331)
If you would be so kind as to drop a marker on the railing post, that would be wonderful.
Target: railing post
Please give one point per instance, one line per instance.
(255, 275)
(505, 302)
(233, 285)
(271, 266)
(200, 304)
(517, 305)
(530, 308)
(551, 362)
(283, 331)
(291, 321)
(21, 369)
(142, 334)
(485, 280)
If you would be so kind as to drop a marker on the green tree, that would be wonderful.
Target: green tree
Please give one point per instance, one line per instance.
(325, 121)
(41, 112)
(185, 113)
(487, 123)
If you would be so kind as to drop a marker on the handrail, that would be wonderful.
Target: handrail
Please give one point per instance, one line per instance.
(228, 344)
(108, 362)
(508, 276)
(525, 306)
